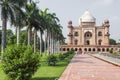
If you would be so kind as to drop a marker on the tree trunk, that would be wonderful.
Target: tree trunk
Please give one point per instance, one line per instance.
(58, 46)
(18, 35)
(41, 42)
(35, 36)
(45, 41)
(3, 44)
(15, 30)
(48, 42)
(52, 43)
(29, 36)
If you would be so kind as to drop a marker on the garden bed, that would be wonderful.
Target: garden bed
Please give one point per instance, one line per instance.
(46, 72)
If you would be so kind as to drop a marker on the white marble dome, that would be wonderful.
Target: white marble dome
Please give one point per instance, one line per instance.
(87, 17)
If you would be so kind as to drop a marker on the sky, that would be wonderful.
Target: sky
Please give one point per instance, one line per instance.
(73, 9)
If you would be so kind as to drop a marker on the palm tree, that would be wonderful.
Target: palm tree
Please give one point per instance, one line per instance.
(33, 20)
(20, 18)
(54, 21)
(59, 38)
(45, 24)
(51, 21)
(41, 30)
(19, 23)
(8, 12)
(30, 13)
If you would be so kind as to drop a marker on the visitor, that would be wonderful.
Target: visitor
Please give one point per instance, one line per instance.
(76, 52)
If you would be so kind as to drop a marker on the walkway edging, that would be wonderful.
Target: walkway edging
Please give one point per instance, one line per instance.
(111, 62)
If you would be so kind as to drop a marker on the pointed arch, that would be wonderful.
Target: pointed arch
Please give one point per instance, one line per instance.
(75, 41)
(99, 33)
(99, 42)
(88, 34)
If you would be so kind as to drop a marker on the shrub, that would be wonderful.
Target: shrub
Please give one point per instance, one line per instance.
(66, 54)
(72, 51)
(61, 56)
(51, 60)
(20, 63)
(111, 51)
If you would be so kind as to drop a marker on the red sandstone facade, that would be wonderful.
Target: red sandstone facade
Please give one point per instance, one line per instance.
(87, 37)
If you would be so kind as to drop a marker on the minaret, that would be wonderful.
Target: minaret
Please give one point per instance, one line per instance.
(70, 34)
(106, 25)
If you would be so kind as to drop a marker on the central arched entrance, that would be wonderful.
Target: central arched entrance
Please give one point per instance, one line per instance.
(87, 38)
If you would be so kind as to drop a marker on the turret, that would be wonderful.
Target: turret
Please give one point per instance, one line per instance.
(106, 25)
(70, 34)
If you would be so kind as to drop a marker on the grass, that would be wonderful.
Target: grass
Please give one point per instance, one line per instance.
(46, 72)
(2, 75)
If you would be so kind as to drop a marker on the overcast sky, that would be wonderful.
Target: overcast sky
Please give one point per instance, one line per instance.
(72, 9)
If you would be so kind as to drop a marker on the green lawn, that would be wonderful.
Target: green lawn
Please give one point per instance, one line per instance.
(46, 72)
(2, 75)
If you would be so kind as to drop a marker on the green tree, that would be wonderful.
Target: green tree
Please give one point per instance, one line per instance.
(113, 42)
(19, 62)
(11, 38)
(30, 18)
(8, 12)
(33, 20)
(44, 24)
(20, 18)
(23, 37)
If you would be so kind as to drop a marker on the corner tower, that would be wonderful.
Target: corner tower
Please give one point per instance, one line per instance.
(106, 25)
(70, 33)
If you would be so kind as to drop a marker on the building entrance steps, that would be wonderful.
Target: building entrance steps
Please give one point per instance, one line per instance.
(86, 67)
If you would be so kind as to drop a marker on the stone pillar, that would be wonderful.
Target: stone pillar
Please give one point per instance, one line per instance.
(70, 33)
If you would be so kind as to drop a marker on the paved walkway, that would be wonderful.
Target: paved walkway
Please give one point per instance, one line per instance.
(85, 67)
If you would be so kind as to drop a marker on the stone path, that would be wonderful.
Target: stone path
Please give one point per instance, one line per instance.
(86, 67)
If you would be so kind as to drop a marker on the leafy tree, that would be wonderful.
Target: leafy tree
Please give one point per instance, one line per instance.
(8, 10)
(19, 62)
(20, 18)
(33, 20)
(11, 38)
(23, 37)
(113, 42)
